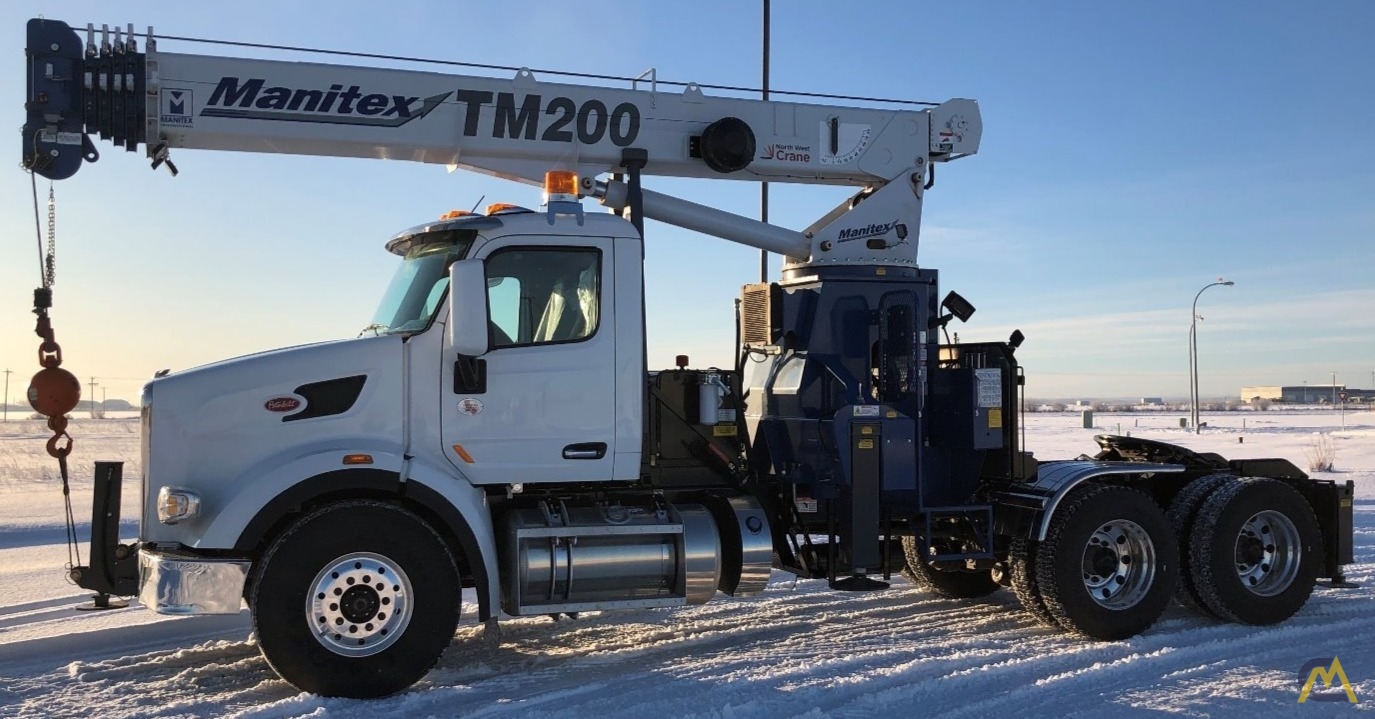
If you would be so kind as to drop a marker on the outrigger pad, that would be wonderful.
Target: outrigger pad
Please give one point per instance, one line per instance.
(858, 583)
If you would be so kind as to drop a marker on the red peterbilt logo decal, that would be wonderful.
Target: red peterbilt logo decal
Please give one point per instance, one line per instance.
(281, 404)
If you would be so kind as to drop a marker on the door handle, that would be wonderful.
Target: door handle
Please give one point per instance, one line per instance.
(585, 450)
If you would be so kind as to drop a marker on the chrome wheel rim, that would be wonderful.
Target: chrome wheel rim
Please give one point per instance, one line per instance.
(1119, 564)
(359, 604)
(1267, 553)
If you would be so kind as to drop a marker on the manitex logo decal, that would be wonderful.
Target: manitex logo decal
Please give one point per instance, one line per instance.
(1328, 671)
(254, 99)
(873, 229)
(282, 404)
(177, 106)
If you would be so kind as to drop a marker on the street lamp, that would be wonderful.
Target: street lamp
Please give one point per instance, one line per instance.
(1193, 351)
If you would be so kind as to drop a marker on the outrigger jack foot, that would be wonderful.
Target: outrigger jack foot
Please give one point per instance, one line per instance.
(100, 602)
(858, 583)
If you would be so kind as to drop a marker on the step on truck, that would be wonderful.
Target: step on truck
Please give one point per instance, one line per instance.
(496, 427)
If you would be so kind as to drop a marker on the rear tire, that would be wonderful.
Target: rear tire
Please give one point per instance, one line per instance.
(1256, 550)
(951, 584)
(1022, 572)
(382, 581)
(1182, 514)
(1109, 563)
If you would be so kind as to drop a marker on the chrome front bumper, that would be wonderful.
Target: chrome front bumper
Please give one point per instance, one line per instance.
(184, 584)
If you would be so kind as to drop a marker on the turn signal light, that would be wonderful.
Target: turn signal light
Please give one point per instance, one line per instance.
(560, 186)
(177, 505)
(357, 459)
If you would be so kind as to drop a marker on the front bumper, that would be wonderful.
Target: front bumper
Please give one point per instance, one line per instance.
(187, 584)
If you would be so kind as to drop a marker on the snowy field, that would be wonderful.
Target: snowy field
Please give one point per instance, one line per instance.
(798, 650)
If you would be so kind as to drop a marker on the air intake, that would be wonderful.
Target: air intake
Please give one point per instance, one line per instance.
(759, 309)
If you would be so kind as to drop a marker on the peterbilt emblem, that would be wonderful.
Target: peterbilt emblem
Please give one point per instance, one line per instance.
(281, 404)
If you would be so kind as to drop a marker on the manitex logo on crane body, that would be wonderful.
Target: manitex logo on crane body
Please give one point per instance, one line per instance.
(511, 116)
(253, 99)
(871, 230)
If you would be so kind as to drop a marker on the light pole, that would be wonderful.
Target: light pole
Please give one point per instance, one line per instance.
(9, 372)
(1193, 351)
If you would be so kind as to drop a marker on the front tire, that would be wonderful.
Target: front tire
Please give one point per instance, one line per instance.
(356, 599)
(1108, 566)
(1255, 549)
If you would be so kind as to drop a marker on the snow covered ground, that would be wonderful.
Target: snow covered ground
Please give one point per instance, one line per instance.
(798, 650)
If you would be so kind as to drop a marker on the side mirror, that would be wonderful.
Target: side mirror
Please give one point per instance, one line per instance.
(468, 330)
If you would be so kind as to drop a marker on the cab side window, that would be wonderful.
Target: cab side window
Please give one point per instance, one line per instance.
(541, 295)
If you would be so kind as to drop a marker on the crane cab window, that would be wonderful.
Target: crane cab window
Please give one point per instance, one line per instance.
(543, 295)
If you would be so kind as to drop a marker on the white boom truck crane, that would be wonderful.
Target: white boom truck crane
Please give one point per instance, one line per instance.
(502, 431)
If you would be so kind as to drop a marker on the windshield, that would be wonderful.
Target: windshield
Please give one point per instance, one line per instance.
(420, 282)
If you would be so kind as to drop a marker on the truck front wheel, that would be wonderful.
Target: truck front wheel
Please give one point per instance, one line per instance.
(1109, 563)
(356, 599)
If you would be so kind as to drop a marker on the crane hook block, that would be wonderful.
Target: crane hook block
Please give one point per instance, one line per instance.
(54, 392)
(727, 145)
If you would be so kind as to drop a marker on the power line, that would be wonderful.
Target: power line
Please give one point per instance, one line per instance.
(512, 68)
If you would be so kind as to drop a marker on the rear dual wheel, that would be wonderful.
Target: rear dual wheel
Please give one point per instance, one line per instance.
(1109, 563)
(1254, 551)
(1183, 513)
(951, 583)
(1021, 563)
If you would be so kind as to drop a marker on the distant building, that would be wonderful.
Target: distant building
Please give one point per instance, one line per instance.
(1306, 394)
(1152, 400)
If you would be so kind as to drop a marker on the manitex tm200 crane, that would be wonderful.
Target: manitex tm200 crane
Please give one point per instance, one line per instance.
(501, 431)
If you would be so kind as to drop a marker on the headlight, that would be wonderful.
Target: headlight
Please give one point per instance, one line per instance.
(177, 505)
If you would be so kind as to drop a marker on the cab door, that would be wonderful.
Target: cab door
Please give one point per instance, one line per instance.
(540, 405)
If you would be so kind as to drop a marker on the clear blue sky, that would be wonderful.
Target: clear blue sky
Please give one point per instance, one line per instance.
(1133, 152)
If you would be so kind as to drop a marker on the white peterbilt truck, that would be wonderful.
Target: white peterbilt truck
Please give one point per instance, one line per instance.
(499, 429)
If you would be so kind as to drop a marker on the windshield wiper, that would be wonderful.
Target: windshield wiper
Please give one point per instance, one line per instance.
(375, 328)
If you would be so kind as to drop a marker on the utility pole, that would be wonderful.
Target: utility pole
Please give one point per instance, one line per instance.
(1334, 389)
(92, 400)
(764, 186)
(9, 372)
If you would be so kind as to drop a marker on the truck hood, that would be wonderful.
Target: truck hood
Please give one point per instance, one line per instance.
(218, 427)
